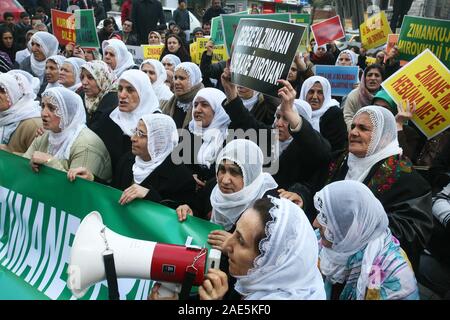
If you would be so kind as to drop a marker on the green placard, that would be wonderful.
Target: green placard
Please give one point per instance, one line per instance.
(39, 216)
(418, 34)
(217, 28)
(86, 29)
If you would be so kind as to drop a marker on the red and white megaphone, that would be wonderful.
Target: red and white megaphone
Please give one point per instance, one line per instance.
(133, 258)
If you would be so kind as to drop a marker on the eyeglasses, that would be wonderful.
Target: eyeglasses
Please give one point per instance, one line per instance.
(138, 133)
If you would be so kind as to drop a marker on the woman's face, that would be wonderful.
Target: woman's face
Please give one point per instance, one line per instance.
(50, 120)
(241, 247)
(344, 60)
(229, 177)
(245, 93)
(373, 80)
(150, 71)
(168, 65)
(315, 96)
(320, 52)
(139, 140)
(282, 125)
(66, 75)
(37, 51)
(323, 240)
(110, 58)
(292, 75)
(4, 100)
(173, 45)
(176, 30)
(203, 112)
(181, 82)
(51, 71)
(8, 39)
(90, 86)
(128, 96)
(89, 56)
(360, 135)
(153, 39)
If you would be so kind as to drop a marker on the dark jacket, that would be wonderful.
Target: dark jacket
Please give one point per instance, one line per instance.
(211, 13)
(181, 17)
(145, 15)
(211, 70)
(108, 103)
(333, 128)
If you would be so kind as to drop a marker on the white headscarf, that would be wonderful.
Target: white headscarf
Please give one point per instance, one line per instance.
(49, 45)
(355, 219)
(286, 268)
(250, 103)
(173, 59)
(316, 47)
(162, 138)
(351, 54)
(383, 143)
(58, 60)
(69, 107)
(162, 91)
(23, 106)
(148, 102)
(215, 134)
(76, 64)
(327, 101)
(124, 59)
(33, 81)
(193, 71)
(227, 208)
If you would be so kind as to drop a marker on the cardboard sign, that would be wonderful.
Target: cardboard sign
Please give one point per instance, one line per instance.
(152, 51)
(137, 53)
(230, 23)
(418, 34)
(425, 81)
(217, 30)
(263, 53)
(85, 29)
(197, 48)
(63, 24)
(328, 30)
(391, 42)
(341, 78)
(374, 31)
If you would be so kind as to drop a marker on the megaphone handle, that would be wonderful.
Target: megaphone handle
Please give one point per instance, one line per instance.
(187, 284)
(111, 276)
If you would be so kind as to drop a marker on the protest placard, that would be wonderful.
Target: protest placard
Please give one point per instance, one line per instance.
(63, 24)
(230, 23)
(392, 41)
(85, 29)
(152, 51)
(328, 30)
(341, 78)
(137, 53)
(374, 31)
(217, 28)
(263, 53)
(418, 34)
(425, 81)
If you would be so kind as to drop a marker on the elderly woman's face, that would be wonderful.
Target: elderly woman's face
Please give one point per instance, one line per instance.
(150, 71)
(241, 246)
(245, 93)
(168, 65)
(139, 141)
(344, 60)
(50, 120)
(128, 96)
(282, 125)
(90, 86)
(51, 71)
(4, 100)
(373, 80)
(292, 75)
(66, 75)
(229, 177)
(360, 135)
(37, 51)
(110, 58)
(323, 240)
(315, 96)
(203, 112)
(181, 82)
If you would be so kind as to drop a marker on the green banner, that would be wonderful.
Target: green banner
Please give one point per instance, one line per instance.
(217, 30)
(86, 29)
(418, 34)
(40, 214)
(231, 22)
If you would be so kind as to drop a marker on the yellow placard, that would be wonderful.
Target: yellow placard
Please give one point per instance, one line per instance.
(152, 51)
(193, 48)
(425, 81)
(374, 31)
(370, 60)
(219, 53)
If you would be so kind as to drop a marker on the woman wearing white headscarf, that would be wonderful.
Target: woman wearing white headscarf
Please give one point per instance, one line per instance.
(374, 158)
(69, 74)
(359, 256)
(136, 98)
(43, 46)
(157, 75)
(347, 58)
(170, 62)
(20, 114)
(116, 55)
(320, 55)
(187, 82)
(327, 117)
(52, 66)
(68, 143)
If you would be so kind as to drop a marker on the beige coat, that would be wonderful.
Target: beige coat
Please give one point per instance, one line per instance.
(24, 135)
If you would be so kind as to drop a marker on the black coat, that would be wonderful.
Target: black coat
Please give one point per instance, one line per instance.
(108, 103)
(145, 15)
(169, 184)
(333, 128)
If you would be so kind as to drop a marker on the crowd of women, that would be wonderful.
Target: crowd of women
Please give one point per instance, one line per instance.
(345, 216)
